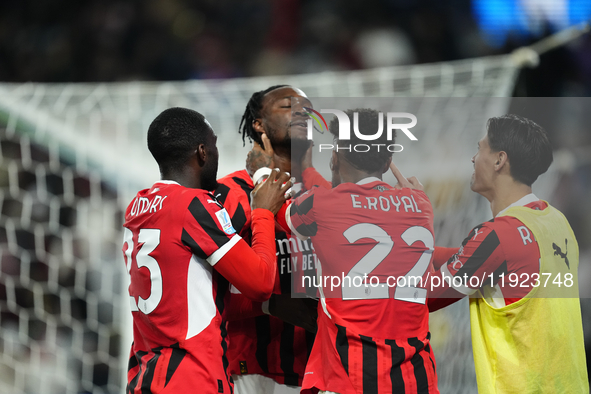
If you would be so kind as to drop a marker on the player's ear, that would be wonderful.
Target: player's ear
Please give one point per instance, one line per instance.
(257, 125)
(502, 161)
(201, 154)
(387, 165)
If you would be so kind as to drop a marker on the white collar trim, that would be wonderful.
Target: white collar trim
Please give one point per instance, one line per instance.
(167, 182)
(521, 202)
(367, 180)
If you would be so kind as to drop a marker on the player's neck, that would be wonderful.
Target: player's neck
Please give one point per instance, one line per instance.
(351, 174)
(184, 178)
(506, 194)
(360, 177)
(284, 162)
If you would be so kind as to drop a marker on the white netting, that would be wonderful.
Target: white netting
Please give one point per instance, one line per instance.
(60, 325)
(103, 126)
(73, 155)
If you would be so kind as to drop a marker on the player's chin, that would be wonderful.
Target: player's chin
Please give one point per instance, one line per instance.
(473, 184)
(299, 144)
(298, 132)
(209, 178)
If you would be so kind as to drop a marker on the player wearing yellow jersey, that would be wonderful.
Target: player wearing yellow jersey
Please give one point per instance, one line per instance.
(527, 334)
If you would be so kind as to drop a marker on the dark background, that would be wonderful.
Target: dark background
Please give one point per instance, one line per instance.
(116, 40)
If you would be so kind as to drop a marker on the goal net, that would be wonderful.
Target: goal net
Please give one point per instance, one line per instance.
(72, 157)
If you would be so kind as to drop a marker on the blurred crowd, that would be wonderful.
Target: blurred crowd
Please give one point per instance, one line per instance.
(119, 40)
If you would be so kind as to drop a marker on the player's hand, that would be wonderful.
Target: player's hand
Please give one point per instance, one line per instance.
(271, 194)
(260, 157)
(412, 182)
(301, 312)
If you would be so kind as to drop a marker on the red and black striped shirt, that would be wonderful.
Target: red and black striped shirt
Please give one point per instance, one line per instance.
(263, 344)
(371, 338)
(499, 257)
(179, 243)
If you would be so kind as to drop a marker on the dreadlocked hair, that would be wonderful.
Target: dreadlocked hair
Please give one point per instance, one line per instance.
(252, 112)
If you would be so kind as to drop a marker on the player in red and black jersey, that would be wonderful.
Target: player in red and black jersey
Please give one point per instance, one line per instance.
(180, 251)
(373, 330)
(268, 346)
(502, 255)
(520, 270)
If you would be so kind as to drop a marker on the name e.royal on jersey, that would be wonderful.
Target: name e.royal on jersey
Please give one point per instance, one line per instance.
(385, 203)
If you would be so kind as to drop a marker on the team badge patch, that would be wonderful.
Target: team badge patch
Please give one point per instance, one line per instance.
(225, 221)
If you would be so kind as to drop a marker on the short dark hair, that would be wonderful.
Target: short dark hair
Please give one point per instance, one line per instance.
(174, 135)
(252, 112)
(526, 143)
(377, 156)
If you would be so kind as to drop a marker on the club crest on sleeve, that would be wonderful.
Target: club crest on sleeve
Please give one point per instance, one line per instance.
(225, 221)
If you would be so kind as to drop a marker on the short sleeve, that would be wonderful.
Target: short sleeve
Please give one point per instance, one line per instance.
(207, 228)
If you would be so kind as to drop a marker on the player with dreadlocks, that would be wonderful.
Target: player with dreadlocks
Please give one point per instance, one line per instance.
(268, 352)
(270, 126)
(253, 112)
